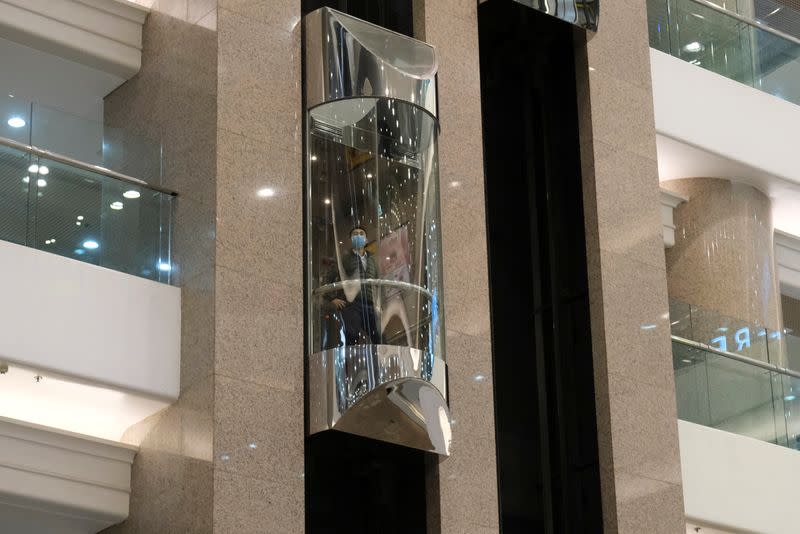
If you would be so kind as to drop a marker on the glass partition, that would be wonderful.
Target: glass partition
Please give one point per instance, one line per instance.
(59, 191)
(728, 44)
(375, 239)
(736, 394)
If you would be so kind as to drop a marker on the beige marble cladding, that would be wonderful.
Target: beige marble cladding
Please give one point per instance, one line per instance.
(468, 478)
(172, 100)
(634, 384)
(220, 88)
(258, 413)
(723, 260)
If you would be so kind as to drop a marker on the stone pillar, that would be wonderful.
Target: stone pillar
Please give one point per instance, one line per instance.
(634, 383)
(468, 478)
(722, 264)
(220, 88)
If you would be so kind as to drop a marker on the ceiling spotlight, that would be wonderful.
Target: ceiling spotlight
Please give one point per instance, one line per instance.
(369, 175)
(80, 217)
(165, 267)
(16, 122)
(77, 223)
(41, 182)
(327, 201)
(694, 47)
(33, 168)
(90, 244)
(313, 158)
(26, 179)
(266, 192)
(116, 205)
(131, 194)
(43, 170)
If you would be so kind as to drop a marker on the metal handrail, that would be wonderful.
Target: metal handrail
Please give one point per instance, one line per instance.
(747, 20)
(397, 284)
(738, 357)
(60, 158)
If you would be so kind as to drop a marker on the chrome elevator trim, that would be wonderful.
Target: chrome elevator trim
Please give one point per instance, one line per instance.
(581, 13)
(350, 58)
(386, 392)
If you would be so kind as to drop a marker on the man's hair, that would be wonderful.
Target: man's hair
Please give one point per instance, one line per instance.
(358, 227)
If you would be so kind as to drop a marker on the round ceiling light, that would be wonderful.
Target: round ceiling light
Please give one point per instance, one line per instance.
(16, 122)
(91, 244)
(131, 194)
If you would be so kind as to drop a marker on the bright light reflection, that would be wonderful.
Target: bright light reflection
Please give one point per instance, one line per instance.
(41, 182)
(131, 194)
(91, 244)
(33, 168)
(116, 205)
(16, 122)
(165, 267)
(266, 192)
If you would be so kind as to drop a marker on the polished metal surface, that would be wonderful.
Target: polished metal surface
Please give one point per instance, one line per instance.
(349, 58)
(738, 357)
(82, 165)
(386, 392)
(582, 13)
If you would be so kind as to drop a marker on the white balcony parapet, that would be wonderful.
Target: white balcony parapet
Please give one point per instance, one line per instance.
(56, 481)
(669, 201)
(88, 349)
(787, 259)
(103, 34)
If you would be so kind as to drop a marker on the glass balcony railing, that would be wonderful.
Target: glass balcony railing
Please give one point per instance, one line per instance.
(736, 394)
(63, 190)
(704, 34)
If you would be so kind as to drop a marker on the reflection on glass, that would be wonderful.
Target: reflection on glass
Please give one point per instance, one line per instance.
(84, 215)
(728, 46)
(375, 243)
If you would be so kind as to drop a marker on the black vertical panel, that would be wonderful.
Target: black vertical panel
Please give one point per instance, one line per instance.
(548, 472)
(357, 485)
(396, 15)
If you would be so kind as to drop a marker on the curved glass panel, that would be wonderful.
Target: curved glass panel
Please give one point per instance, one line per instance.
(374, 237)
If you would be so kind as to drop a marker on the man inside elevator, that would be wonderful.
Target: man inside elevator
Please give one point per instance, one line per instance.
(355, 300)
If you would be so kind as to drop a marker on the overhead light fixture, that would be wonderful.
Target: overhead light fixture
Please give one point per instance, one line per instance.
(41, 182)
(91, 244)
(164, 267)
(33, 168)
(26, 180)
(313, 158)
(266, 192)
(16, 122)
(327, 201)
(80, 217)
(694, 47)
(117, 205)
(43, 170)
(131, 194)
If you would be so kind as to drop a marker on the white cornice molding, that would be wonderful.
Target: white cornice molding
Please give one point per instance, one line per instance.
(669, 201)
(57, 481)
(787, 261)
(102, 34)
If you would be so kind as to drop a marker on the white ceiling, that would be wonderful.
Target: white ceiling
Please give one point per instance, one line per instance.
(677, 159)
(53, 81)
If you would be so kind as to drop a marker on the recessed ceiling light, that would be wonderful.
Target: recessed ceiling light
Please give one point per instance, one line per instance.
(266, 192)
(369, 175)
(313, 158)
(131, 194)
(80, 217)
(16, 122)
(694, 46)
(163, 266)
(33, 168)
(327, 201)
(77, 223)
(41, 182)
(91, 244)
(26, 180)
(43, 170)
(116, 205)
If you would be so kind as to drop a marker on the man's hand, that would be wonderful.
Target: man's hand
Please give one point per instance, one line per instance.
(339, 304)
